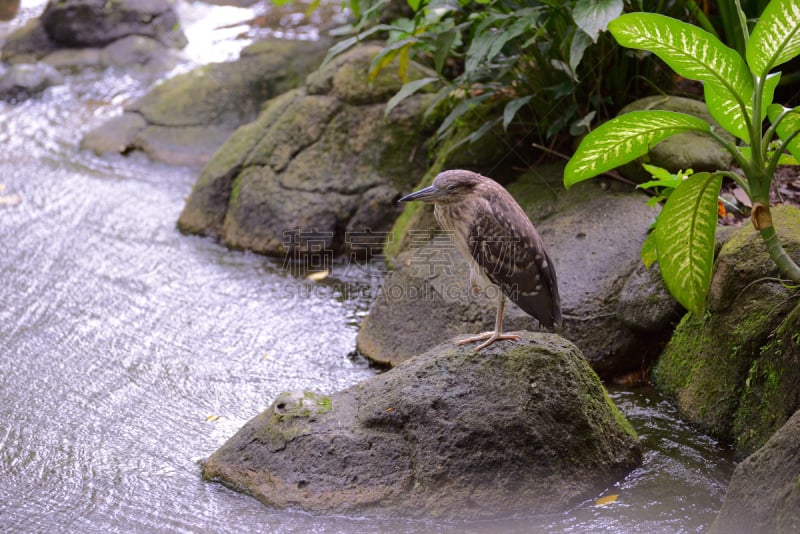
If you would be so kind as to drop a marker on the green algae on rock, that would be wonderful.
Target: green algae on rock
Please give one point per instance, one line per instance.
(734, 372)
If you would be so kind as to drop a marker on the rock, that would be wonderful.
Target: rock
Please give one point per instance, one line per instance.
(187, 118)
(20, 81)
(735, 372)
(524, 427)
(8, 9)
(315, 165)
(764, 493)
(593, 234)
(645, 304)
(683, 151)
(95, 32)
(96, 23)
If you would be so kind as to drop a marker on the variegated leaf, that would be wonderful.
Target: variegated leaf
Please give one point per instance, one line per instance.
(789, 125)
(776, 37)
(690, 51)
(727, 111)
(685, 232)
(624, 139)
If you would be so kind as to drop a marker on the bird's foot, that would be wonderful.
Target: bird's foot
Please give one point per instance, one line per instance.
(489, 337)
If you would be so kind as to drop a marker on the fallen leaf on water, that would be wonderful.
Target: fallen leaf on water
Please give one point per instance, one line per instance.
(321, 275)
(10, 200)
(211, 418)
(608, 499)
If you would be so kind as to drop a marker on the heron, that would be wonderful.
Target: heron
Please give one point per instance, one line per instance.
(498, 240)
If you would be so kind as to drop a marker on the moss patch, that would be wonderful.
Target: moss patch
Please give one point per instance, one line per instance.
(736, 372)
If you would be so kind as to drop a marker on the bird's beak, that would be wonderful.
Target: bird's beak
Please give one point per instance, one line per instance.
(429, 194)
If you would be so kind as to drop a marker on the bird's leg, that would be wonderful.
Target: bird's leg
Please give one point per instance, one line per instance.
(491, 337)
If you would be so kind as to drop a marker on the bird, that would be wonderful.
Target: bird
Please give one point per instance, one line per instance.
(498, 240)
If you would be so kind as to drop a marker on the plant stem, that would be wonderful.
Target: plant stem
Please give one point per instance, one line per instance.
(776, 251)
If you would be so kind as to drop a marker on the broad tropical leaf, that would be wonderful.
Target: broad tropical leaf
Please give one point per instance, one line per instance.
(685, 232)
(624, 139)
(776, 37)
(695, 54)
(788, 126)
(593, 16)
(727, 111)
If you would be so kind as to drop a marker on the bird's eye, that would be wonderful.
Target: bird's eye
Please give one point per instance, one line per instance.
(451, 187)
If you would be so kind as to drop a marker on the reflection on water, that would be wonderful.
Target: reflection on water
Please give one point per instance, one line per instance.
(130, 352)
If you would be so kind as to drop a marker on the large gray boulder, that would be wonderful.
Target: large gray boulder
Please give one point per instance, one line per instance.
(763, 496)
(185, 119)
(319, 164)
(523, 427)
(615, 311)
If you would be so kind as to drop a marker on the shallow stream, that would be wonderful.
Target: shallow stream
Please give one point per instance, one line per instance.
(129, 352)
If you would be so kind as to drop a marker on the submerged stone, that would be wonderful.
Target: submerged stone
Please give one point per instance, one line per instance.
(521, 427)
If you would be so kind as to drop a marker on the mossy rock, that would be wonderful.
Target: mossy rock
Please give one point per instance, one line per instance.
(319, 163)
(522, 427)
(735, 372)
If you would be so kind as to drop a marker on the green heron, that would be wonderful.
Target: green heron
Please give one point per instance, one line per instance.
(498, 240)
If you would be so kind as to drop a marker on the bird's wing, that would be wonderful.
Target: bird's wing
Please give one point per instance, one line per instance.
(511, 254)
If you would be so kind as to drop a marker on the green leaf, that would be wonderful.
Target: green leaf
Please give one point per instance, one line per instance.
(510, 111)
(461, 108)
(790, 124)
(649, 251)
(407, 90)
(580, 42)
(593, 16)
(414, 4)
(624, 139)
(727, 111)
(443, 43)
(685, 232)
(695, 54)
(776, 37)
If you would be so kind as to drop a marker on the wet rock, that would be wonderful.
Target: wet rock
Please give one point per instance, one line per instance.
(645, 304)
(592, 232)
(97, 23)
(21, 81)
(764, 493)
(185, 119)
(688, 150)
(318, 164)
(523, 427)
(94, 32)
(735, 372)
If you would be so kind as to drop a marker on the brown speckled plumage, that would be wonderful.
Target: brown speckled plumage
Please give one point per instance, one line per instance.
(495, 235)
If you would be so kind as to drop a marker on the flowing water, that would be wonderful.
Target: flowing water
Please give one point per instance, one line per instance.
(129, 352)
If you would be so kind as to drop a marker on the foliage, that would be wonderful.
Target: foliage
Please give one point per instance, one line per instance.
(549, 64)
(663, 182)
(739, 91)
